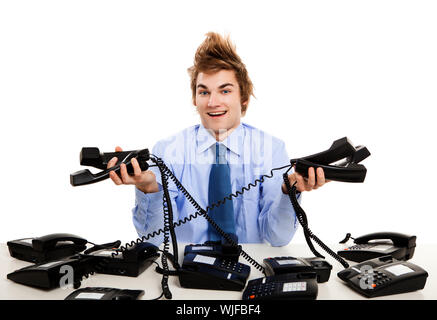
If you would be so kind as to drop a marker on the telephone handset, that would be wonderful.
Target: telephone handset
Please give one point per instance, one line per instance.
(287, 286)
(102, 293)
(93, 157)
(399, 246)
(347, 170)
(384, 276)
(49, 247)
(205, 272)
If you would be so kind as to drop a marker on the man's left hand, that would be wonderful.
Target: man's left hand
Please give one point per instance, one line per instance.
(306, 184)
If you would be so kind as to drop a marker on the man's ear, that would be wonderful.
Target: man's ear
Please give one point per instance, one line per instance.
(244, 107)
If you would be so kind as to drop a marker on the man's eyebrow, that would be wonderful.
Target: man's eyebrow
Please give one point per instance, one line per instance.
(220, 87)
(225, 85)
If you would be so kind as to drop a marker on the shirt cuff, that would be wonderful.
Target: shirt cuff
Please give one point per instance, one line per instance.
(151, 201)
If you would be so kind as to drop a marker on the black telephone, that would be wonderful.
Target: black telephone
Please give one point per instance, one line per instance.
(93, 157)
(283, 265)
(339, 162)
(206, 272)
(287, 286)
(48, 275)
(102, 293)
(129, 262)
(46, 248)
(399, 246)
(384, 276)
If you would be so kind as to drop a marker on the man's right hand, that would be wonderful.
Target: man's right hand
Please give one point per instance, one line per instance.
(143, 180)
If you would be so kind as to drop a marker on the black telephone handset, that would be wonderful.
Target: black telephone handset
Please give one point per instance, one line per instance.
(46, 248)
(130, 262)
(347, 170)
(399, 246)
(206, 272)
(287, 286)
(384, 276)
(93, 157)
(102, 293)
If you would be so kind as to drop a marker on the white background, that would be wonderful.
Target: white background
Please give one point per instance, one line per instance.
(107, 73)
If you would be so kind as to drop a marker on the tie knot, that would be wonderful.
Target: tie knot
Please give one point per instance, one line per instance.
(220, 153)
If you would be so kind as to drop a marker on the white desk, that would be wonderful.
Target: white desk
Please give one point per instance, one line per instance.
(150, 281)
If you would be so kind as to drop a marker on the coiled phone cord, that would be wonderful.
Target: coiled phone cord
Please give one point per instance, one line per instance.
(168, 228)
(301, 215)
(200, 211)
(204, 212)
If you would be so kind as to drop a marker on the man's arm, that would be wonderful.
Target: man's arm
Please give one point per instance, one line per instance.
(277, 219)
(148, 213)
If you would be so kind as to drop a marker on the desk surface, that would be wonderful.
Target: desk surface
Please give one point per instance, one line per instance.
(150, 281)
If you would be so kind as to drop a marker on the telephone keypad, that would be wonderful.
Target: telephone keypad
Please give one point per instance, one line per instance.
(263, 290)
(359, 247)
(232, 266)
(379, 278)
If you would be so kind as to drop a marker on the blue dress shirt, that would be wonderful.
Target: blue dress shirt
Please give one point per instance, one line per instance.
(264, 213)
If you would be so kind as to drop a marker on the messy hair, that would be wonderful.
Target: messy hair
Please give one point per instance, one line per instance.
(218, 53)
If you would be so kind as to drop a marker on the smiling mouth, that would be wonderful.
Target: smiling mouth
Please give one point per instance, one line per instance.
(217, 114)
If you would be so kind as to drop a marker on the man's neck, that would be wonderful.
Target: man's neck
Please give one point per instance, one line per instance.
(222, 134)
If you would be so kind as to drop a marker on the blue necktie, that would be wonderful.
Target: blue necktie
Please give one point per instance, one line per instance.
(219, 188)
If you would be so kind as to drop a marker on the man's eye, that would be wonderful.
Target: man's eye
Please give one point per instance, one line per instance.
(226, 91)
(203, 93)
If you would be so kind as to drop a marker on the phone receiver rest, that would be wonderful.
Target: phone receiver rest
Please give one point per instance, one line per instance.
(85, 176)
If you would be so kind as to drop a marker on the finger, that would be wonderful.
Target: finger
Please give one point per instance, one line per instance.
(320, 177)
(292, 178)
(311, 179)
(115, 178)
(124, 175)
(112, 162)
(136, 167)
(300, 183)
(118, 149)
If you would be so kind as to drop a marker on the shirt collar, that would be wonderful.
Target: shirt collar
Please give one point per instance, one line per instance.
(233, 142)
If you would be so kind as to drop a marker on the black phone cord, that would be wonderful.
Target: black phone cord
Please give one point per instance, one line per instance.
(301, 216)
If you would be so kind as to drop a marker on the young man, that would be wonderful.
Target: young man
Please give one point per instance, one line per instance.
(218, 157)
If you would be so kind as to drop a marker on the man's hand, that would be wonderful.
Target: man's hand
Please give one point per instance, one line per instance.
(306, 184)
(143, 180)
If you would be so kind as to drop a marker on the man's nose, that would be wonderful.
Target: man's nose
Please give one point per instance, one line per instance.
(213, 100)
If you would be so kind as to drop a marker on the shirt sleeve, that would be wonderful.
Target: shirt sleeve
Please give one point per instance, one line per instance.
(148, 213)
(277, 219)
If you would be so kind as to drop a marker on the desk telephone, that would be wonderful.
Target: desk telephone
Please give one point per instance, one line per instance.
(282, 265)
(287, 286)
(101, 293)
(130, 262)
(399, 246)
(384, 276)
(48, 275)
(206, 272)
(46, 248)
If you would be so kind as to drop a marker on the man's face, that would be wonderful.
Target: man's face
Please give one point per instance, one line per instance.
(218, 102)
